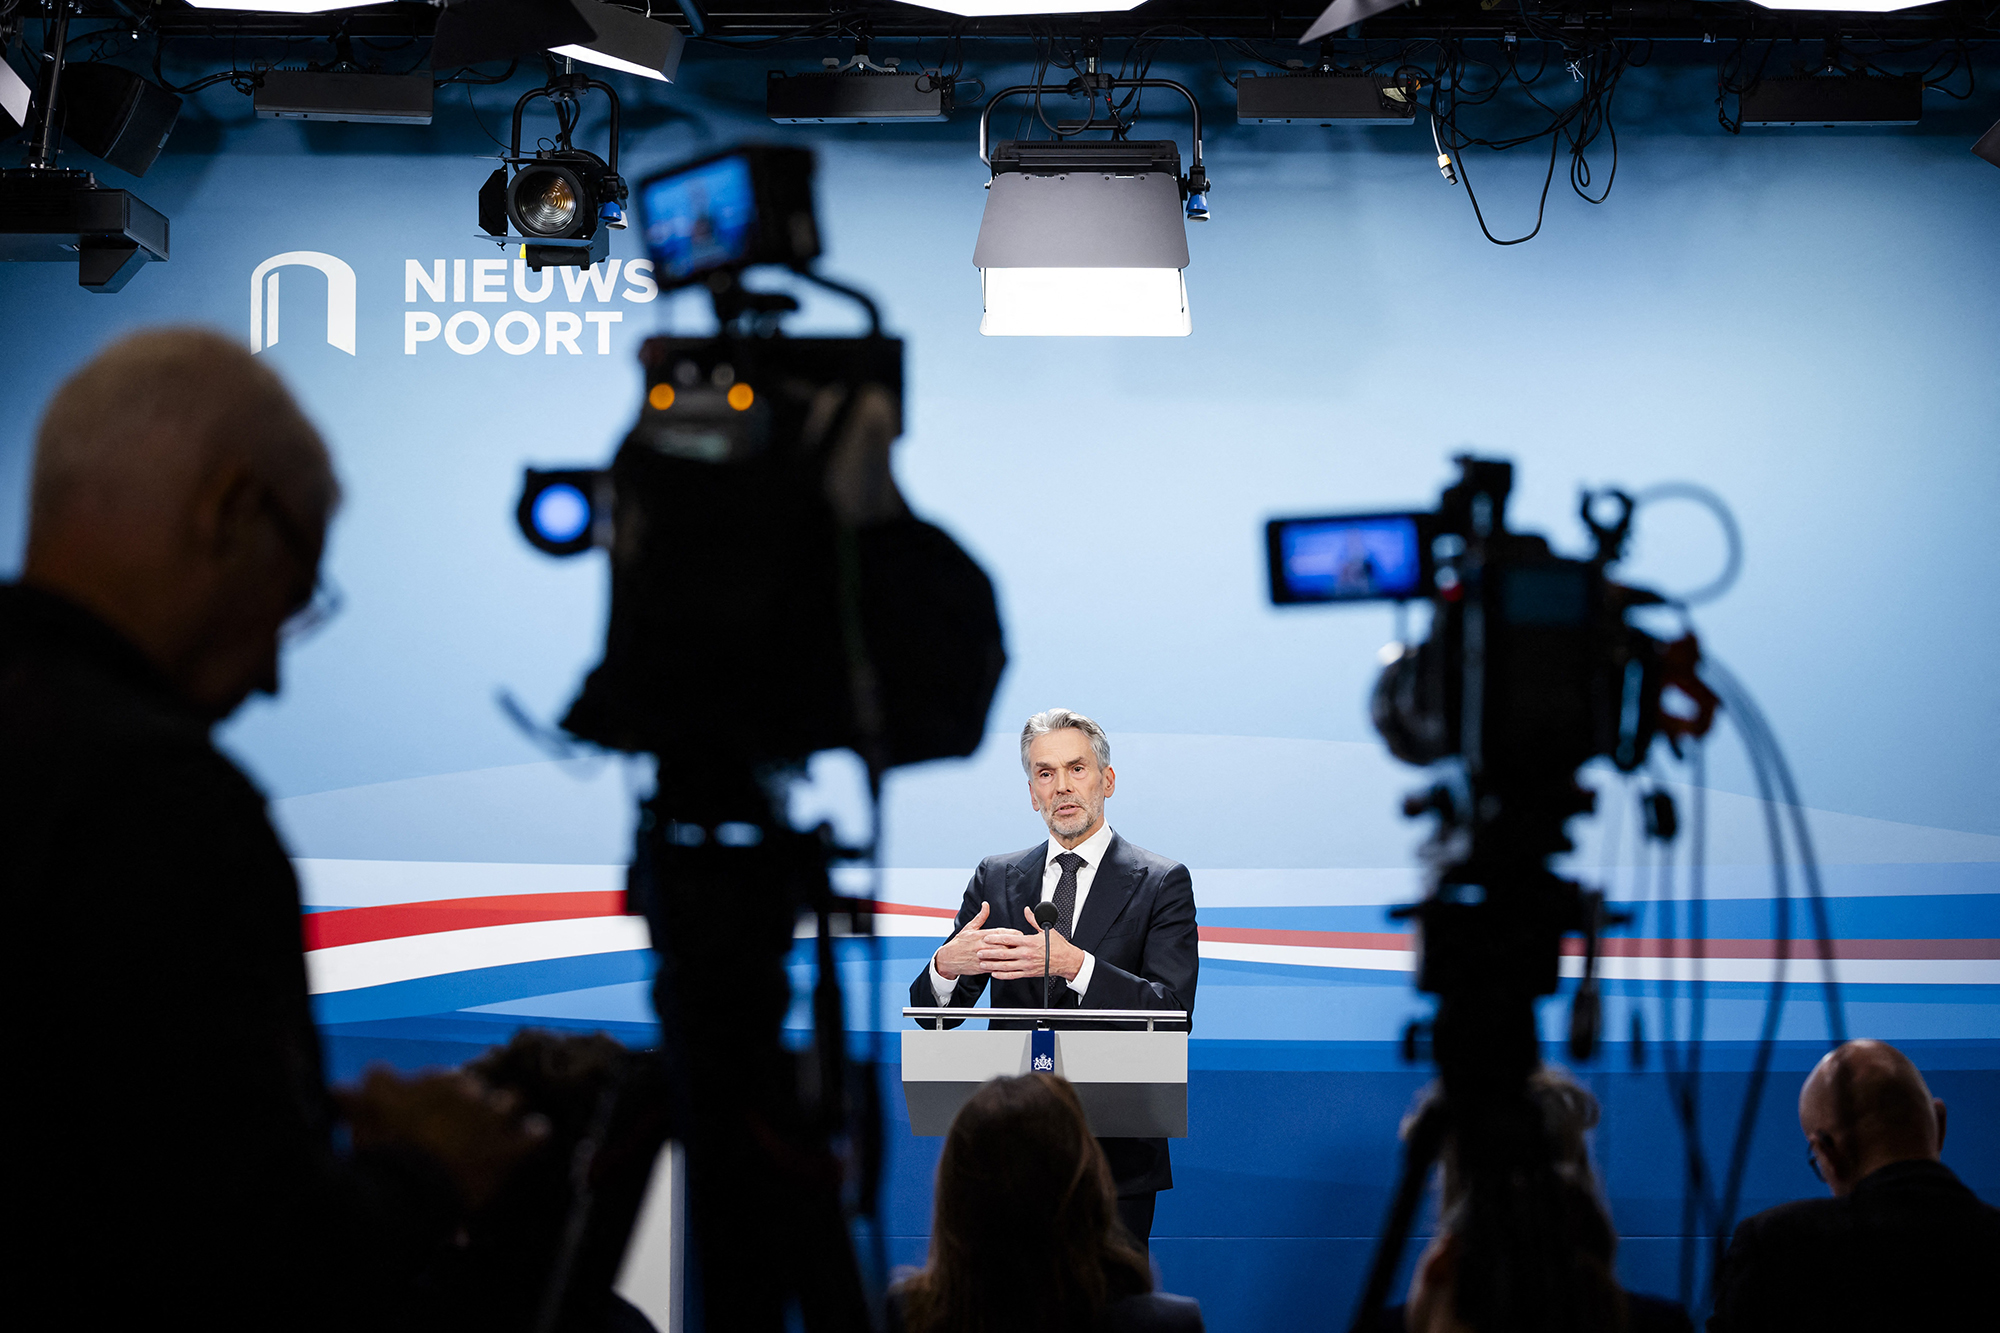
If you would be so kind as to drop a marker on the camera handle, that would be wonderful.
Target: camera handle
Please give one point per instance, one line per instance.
(760, 312)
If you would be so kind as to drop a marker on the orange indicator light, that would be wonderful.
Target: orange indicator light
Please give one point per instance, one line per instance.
(740, 397)
(661, 396)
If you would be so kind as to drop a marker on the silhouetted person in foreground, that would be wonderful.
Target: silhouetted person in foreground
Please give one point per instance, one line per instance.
(174, 1156)
(1586, 1265)
(1902, 1244)
(1025, 1236)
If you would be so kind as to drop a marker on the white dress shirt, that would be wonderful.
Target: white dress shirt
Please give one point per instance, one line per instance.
(1092, 850)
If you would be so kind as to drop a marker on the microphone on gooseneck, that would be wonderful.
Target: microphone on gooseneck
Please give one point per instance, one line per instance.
(1045, 916)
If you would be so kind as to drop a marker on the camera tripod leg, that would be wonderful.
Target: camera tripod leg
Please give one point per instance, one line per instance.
(1420, 1152)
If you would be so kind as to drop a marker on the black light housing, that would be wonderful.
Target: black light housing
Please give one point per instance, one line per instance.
(562, 203)
(55, 214)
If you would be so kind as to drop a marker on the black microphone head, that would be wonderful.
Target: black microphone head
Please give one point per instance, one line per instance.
(1046, 914)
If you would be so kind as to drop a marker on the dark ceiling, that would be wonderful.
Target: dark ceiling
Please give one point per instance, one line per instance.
(742, 21)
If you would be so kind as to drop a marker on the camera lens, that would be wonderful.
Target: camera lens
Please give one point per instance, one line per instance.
(547, 203)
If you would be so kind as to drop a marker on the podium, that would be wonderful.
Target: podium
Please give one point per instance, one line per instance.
(1133, 1085)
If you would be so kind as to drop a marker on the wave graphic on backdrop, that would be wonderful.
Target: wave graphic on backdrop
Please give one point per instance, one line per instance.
(493, 894)
(480, 947)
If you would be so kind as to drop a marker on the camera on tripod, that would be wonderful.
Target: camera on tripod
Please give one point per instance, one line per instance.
(771, 597)
(1533, 667)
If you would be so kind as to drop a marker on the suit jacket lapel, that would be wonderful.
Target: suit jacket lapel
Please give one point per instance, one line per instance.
(1110, 890)
(1024, 886)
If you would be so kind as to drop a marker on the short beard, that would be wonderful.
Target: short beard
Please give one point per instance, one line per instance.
(1084, 821)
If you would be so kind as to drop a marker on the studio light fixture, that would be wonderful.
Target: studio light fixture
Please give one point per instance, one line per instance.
(1846, 6)
(1323, 98)
(989, 9)
(631, 43)
(281, 6)
(58, 214)
(15, 95)
(471, 32)
(1088, 237)
(563, 202)
(346, 95)
(857, 91)
(1833, 100)
(1988, 146)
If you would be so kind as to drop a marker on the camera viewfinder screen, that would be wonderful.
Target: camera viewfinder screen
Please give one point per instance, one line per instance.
(1352, 559)
(700, 219)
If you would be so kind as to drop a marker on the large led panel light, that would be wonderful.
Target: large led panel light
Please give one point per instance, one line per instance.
(1084, 252)
(990, 9)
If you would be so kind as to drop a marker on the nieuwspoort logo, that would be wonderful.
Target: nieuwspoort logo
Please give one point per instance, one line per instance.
(434, 289)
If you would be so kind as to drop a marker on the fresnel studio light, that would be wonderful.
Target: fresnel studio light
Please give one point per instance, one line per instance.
(1087, 236)
(563, 202)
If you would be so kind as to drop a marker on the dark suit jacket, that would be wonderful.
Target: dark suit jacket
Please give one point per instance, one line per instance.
(179, 1153)
(1153, 1312)
(1909, 1247)
(1138, 922)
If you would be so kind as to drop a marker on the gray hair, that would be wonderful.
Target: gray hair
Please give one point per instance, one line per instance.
(1055, 719)
(152, 413)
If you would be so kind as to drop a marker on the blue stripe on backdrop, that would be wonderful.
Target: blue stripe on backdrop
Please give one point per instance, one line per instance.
(1284, 1180)
(1294, 1102)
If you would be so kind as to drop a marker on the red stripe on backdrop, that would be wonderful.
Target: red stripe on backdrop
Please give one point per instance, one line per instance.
(359, 925)
(1807, 948)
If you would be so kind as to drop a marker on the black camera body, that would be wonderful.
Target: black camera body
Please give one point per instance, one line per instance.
(746, 618)
(1532, 667)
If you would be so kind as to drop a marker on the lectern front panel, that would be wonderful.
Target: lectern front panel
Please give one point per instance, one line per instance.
(1131, 1084)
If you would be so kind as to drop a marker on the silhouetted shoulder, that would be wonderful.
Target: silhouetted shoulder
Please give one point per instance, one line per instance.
(1654, 1314)
(1155, 1312)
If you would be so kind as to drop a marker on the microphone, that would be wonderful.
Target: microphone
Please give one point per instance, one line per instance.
(1045, 917)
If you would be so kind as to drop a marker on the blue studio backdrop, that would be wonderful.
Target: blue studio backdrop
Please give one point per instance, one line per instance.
(1803, 321)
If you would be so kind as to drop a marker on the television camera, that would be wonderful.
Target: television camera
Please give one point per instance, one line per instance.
(1532, 668)
(771, 597)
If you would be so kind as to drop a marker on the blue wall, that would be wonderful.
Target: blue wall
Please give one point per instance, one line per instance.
(1805, 322)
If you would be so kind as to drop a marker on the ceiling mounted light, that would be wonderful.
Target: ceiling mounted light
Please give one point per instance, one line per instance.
(1833, 101)
(1988, 146)
(472, 32)
(563, 202)
(1088, 238)
(282, 6)
(625, 41)
(992, 9)
(1846, 6)
(857, 91)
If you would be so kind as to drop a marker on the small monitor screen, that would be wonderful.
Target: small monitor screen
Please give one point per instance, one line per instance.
(700, 219)
(1348, 559)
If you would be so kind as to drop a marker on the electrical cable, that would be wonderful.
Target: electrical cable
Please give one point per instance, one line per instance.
(1732, 567)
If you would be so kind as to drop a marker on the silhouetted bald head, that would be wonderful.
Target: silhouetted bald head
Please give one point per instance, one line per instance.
(181, 495)
(1864, 1107)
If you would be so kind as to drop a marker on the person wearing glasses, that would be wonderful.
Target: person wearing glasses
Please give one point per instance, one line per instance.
(1901, 1244)
(175, 1150)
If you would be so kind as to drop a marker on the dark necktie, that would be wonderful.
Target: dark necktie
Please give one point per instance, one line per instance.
(1065, 901)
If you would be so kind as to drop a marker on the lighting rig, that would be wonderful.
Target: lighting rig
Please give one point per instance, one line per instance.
(563, 201)
(60, 214)
(1086, 237)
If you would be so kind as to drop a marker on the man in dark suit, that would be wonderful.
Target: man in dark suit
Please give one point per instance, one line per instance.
(1123, 938)
(1901, 1244)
